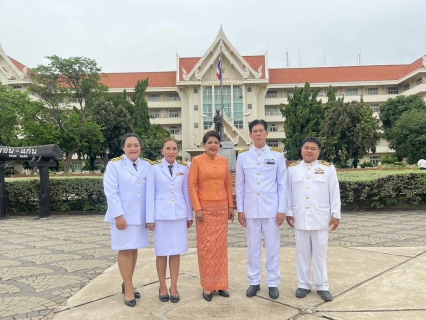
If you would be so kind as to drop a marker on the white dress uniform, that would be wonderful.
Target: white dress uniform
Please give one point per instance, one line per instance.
(172, 208)
(313, 198)
(421, 164)
(260, 185)
(128, 195)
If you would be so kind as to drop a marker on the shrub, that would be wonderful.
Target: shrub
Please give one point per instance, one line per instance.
(388, 160)
(66, 194)
(366, 164)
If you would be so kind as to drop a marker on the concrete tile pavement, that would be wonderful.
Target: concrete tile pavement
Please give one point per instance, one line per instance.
(376, 268)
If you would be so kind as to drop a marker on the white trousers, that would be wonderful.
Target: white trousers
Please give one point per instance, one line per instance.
(271, 233)
(312, 243)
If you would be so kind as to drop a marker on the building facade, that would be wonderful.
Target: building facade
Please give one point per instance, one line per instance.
(184, 101)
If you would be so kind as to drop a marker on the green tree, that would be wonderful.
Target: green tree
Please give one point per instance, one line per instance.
(152, 142)
(303, 115)
(392, 110)
(348, 131)
(408, 135)
(10, 102)
(60, 82)
(141, 123)
(115, 121)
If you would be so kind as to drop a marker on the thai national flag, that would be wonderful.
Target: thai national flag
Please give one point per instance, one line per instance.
(219, 71)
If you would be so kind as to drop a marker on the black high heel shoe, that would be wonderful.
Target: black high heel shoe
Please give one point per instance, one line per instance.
(130, 303)
(137, 294)
(174, 299)
(163, 298)
(208, 297)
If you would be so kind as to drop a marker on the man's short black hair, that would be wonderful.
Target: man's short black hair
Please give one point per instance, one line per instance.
(312, 139)
(256, 122)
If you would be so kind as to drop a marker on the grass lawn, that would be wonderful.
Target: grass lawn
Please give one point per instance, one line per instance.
(367, 175)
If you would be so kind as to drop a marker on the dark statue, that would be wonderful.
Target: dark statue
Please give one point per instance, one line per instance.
(218, 122)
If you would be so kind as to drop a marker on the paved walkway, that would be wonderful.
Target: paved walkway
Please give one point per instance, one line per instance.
(377, 265)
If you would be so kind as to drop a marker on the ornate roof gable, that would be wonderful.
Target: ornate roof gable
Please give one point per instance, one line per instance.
(8, 69)
(229, 53)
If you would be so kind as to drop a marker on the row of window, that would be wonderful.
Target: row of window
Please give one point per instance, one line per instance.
(350, 91)
(156, 97)
(169, 114)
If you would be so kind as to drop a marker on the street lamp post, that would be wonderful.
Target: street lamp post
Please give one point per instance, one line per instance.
(106, 156)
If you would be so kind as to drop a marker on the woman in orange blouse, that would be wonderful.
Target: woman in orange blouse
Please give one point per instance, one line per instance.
(213, 206)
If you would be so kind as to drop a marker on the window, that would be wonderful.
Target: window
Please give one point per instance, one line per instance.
(77, 166)
(196, 125)
(249, 106)
(207, 108)
(239, 124)
(17, 87)
(226, 99)
(393, 90)
(290, 93)
(174, 113)
(195, 107)
(271, 111)
(375, 160)
(174, 97)
(352, 91)
(271, 94)
(273, 127)
(154, 97)
(174, 130)
(249, 89)
(375, 107)
(419, 81)
(73, 100)
(154, 113)
(406, 87)
(273, 143)
(195, 90)
(373, 91)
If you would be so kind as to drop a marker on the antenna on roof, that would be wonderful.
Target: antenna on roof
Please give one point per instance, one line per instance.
(325, 62)
(300, 60)
(287, 58)
(359, 58)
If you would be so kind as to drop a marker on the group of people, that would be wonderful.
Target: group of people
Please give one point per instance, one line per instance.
(163, 196)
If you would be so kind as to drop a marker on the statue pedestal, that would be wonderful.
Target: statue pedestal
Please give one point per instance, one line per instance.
(228, 152)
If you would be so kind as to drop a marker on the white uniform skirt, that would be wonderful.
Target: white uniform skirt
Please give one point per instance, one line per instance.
(133, 237)
(170, 237)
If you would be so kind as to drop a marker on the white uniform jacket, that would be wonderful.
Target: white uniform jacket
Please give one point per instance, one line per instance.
(171, 196)
(127, 191)
(260, 182)
(421, 163)
(313, 195)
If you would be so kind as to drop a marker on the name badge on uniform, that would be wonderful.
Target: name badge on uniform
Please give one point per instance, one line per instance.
(319, 171)
(269, 161)
(179, 174)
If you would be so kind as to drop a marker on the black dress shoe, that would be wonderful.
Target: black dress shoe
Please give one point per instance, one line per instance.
(137, 294)
(224, 293)
(252, 290)
(163, 298)
(301, 293)
(325, 295)
(208, 297)
(273, 293)
(174, 299)
(130, 303)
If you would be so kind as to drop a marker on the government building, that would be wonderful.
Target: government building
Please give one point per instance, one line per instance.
(184, 101)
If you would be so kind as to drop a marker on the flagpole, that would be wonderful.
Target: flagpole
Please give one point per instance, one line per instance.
(221, 95)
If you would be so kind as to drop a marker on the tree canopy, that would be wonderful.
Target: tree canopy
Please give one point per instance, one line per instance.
(348, 131)
(408, 135)
(303, 115)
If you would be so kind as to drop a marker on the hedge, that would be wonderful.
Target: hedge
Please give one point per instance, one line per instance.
(359, 190)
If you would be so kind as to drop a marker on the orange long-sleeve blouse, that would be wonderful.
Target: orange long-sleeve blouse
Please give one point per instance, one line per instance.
(213, 179)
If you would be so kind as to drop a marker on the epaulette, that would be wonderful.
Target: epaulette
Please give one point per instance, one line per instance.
(150, 161)
(182, 162)
(328, 164)
(277, 149)
(117, 159)
(243, 150)
(155, 162)
(293, 164)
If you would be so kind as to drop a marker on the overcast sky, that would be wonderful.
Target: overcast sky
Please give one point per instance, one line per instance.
(144, 35)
